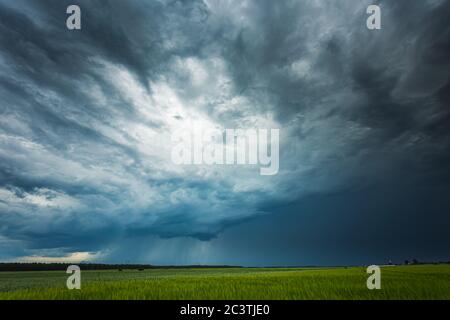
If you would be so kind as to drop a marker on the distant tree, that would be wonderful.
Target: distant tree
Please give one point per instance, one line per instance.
(406, 262)
(415, 261)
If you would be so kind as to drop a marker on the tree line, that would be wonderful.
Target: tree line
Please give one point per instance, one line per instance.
(15, 266)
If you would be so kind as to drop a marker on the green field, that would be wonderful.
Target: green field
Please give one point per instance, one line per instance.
(402, 282)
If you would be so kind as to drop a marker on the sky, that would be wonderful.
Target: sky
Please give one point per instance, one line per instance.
(86, 118)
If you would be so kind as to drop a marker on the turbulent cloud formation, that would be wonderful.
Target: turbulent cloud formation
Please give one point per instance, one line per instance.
(87, 116)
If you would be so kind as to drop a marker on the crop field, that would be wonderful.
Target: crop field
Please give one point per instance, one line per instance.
(399, 282)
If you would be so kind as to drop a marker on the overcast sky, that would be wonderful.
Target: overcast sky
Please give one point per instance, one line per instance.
(86, 118)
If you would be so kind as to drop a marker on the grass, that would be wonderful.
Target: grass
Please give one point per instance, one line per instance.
(402, 282)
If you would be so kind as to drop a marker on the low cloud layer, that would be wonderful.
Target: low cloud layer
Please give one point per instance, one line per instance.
(86, 116)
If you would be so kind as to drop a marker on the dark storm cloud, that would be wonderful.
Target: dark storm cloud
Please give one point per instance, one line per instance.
(398, 76)
(86, 115)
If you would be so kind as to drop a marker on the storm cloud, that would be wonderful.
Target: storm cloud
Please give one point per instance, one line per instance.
(86, 116)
